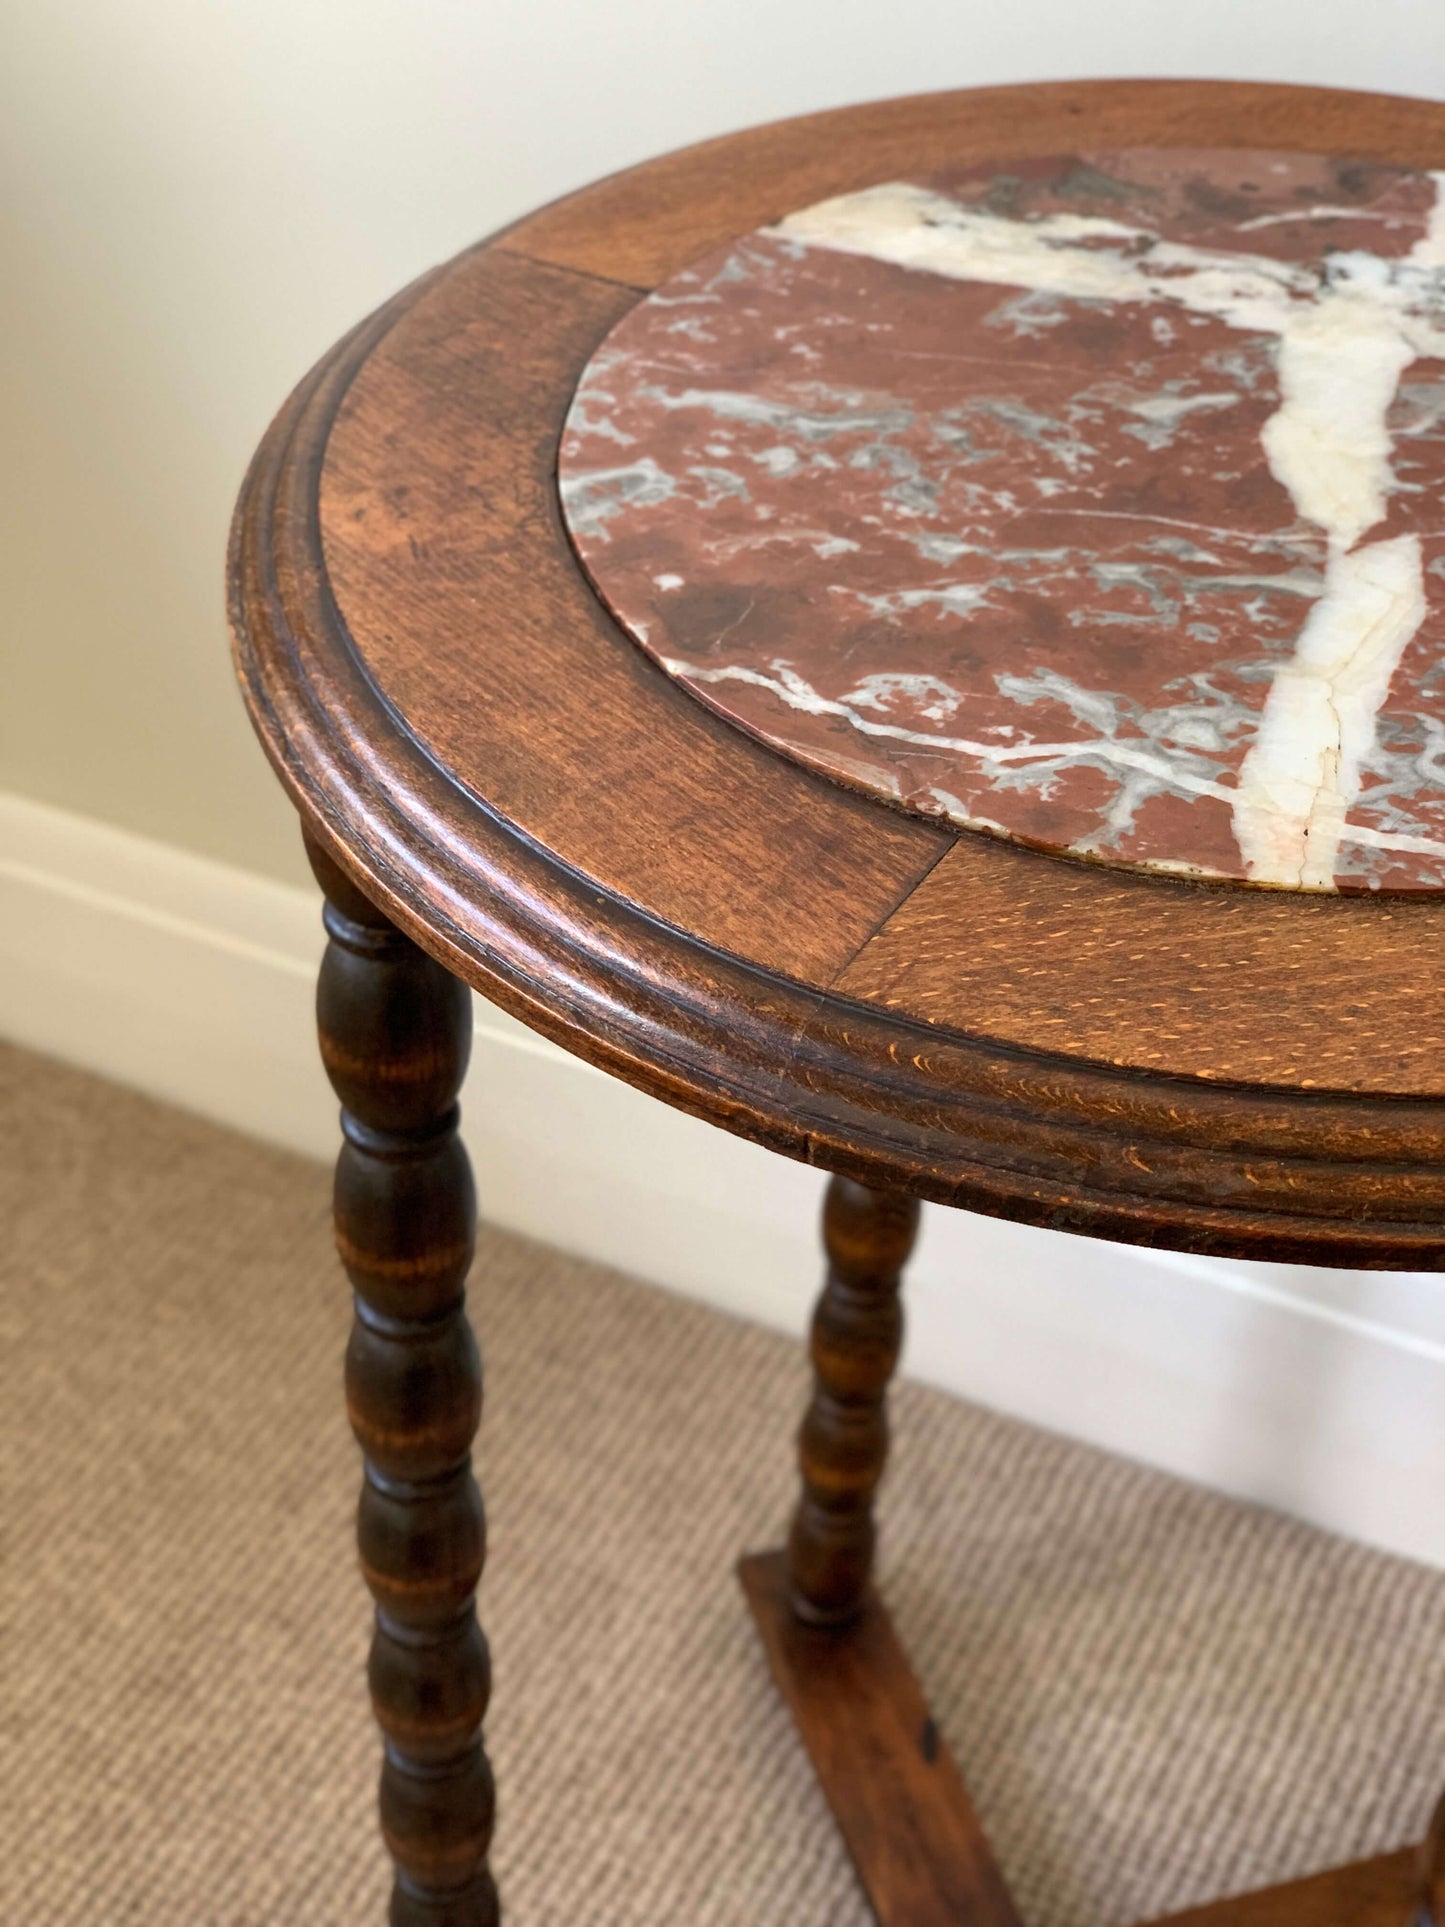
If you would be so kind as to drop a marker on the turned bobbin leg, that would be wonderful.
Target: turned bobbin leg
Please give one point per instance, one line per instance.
(895, 1792)
(395, 1030)
(857, 1330)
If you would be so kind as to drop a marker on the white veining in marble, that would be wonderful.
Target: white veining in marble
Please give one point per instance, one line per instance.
(1346, 333)
(1318, 726)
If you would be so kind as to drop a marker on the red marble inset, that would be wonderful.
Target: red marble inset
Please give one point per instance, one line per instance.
(1022, 557)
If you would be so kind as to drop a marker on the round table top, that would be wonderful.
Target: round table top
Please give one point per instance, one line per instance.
(465, 723)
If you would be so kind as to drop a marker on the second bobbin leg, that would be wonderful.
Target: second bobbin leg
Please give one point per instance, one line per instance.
(903, 1811)
(843, 1443)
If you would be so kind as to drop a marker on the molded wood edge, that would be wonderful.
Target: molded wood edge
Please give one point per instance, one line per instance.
(194, 982)
(1155, 1159)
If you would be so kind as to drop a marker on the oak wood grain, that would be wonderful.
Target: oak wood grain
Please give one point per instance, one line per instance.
(1247, 986)
(908, 1823)
(472, 739)
(1380, 1892)
(446, 555)
(642, 225)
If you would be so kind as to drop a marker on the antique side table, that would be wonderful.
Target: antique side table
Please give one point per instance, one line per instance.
(918, 635)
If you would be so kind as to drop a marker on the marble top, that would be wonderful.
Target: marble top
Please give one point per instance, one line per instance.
(1096, 500)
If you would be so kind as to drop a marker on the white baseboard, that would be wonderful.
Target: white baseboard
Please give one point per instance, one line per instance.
(1318, 1392)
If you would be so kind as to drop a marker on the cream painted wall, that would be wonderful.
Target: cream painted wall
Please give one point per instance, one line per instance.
(196, 196)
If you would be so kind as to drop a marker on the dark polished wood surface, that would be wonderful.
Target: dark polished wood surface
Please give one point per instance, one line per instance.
(921, 1855)
(640, 226)
(475, 741)
(843, 1441)
(395, 1033)
(1380, 1892)
(494, 779)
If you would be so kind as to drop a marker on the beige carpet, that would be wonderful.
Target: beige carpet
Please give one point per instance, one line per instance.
(1156, 1694)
